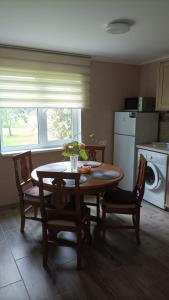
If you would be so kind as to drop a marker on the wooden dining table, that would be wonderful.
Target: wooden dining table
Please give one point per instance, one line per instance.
(100, 176)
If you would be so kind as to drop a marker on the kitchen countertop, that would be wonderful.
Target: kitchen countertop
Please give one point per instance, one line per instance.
(156, 147)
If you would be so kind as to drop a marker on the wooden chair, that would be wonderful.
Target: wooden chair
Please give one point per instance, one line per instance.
(27, 191)
(66, 213)
(95, 151)
(119, 201)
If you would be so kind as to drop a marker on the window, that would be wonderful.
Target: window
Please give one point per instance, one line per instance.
(25, 128)
(41, 97)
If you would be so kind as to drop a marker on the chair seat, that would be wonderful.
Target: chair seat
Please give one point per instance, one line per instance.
(61, 222)
(119, 205)
(66, 220)
(119, 197)
(32, 194)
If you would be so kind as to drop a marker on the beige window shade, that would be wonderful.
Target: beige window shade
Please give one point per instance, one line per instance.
(43, 81)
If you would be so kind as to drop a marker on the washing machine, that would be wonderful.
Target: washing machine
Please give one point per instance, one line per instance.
(156, 177)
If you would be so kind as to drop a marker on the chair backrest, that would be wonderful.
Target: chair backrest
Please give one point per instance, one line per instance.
(60, 203)
(94, 150)
(140, 183)
(23, 169)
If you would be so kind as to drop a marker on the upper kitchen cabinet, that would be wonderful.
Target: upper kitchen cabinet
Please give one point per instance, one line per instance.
(162, 100)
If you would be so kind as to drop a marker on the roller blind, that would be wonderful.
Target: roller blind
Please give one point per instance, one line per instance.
(44, 80)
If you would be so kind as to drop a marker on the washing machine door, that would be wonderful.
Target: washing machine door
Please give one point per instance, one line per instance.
(152, 176)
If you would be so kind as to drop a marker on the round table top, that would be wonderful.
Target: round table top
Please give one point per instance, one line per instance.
(101, 175)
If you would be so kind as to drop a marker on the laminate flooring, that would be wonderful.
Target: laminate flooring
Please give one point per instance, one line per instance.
(114, 269)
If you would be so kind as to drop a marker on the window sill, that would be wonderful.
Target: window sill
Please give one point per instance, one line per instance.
(43, 150)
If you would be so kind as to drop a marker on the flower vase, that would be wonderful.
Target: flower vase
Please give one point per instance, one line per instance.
(74, 163)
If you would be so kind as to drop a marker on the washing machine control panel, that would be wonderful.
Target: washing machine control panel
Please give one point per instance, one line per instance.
(155, 157)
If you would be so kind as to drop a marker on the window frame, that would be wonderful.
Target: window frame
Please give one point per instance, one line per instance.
(43, 142)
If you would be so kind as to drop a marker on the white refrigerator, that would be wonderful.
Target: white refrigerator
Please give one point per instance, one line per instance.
(130, 129)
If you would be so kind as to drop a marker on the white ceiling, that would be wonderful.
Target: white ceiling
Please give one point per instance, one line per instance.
(77, 26)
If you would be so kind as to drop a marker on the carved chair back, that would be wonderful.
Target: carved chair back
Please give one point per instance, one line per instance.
(94, 151)
(23, 169)
(63, 203)
(140, 183)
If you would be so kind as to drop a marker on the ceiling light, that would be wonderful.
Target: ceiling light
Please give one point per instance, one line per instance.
(118, 26)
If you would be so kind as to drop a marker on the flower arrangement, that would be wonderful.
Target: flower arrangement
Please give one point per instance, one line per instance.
(75, 148)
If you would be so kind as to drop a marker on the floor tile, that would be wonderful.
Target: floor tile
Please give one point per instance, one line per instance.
(62, 281)
(39, 283)
(22, 245)
(114, 269)
(8, 269)
(15, 291)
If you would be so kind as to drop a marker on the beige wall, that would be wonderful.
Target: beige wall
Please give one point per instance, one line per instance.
(110, 83)
(148, 78)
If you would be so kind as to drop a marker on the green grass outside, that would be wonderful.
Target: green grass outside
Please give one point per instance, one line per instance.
(20, 136)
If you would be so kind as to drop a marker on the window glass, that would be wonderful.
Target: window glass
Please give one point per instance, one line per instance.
(19, 126)
(35, 128)
(59, 124)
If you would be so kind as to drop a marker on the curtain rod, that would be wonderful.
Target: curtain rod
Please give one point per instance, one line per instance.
(41, 50)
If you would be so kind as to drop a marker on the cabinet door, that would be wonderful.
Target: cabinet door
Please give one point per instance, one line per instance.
(163, 87)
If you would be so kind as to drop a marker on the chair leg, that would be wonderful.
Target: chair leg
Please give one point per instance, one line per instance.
(134, 220)
(22, 213)
(98, 206)
(45, 245)
(104, 223)
(137, 227)
(89, 237)
(22, 223)
(52, 234)
(79, 249)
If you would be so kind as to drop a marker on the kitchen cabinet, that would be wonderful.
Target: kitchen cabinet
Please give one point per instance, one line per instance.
(162, 99)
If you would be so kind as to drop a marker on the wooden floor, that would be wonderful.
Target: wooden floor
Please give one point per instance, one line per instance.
(115, 269)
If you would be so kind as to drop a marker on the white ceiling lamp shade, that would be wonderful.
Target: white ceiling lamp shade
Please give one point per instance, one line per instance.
(118, 26)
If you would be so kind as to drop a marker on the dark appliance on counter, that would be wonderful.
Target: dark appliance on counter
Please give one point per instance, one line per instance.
(140, 104)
